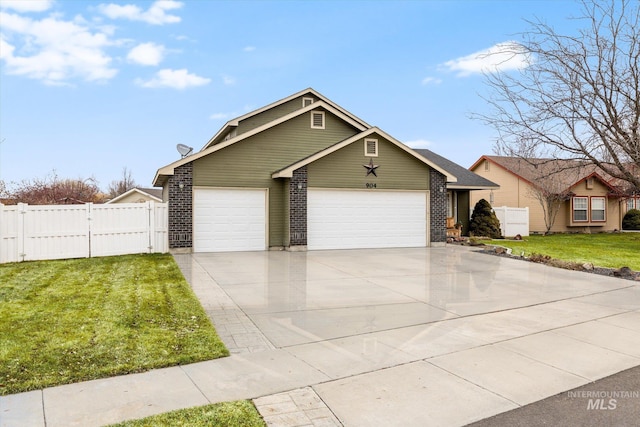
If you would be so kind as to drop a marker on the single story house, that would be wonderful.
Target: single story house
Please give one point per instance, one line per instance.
(590, 200)
(459, 193)
(138, 195)
(304, 173)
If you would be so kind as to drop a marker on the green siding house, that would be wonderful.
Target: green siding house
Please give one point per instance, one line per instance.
(303, 173)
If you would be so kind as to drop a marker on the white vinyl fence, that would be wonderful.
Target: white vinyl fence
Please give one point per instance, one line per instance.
(513, 221)
(36, 232)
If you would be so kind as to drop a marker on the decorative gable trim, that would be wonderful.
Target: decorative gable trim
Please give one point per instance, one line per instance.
(317, 120)
(318, 97)
(370, 147)
(168, 170)
(288, 171)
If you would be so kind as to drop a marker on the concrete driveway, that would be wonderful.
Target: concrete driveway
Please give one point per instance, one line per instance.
(425, 336)
(394, 337)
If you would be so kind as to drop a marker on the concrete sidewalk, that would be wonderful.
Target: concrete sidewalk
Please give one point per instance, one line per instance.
(425, 336)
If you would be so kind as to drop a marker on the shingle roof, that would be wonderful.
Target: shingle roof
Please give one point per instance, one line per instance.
(466, 178)
(555, 174)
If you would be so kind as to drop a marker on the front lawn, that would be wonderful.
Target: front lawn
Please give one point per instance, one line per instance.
(612, 250)
(240, 413)
(75, 320)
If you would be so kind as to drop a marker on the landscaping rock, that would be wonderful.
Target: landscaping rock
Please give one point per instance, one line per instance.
(587, 266)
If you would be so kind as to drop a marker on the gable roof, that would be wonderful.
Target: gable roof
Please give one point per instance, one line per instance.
(153, 193)
(309, 91)
(164, 172)
(561, 175)
(467, 180)
(287, 172)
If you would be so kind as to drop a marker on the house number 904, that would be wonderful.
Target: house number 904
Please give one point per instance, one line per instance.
(370, 185)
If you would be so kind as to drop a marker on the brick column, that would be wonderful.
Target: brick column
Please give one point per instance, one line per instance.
(298, 208)
(438, 201)
(181, 207)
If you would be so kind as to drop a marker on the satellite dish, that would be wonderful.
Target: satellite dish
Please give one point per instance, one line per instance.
(184, 150)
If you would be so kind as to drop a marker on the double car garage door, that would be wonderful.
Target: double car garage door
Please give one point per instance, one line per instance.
(236, 220)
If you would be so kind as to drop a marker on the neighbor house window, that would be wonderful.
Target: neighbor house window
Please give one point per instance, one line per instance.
(580, 208)
(633, 203)
(371, 147)
(317, 120)
(598, 205)
(306, 102)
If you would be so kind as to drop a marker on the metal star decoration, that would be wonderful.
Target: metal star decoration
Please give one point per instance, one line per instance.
(371, 168)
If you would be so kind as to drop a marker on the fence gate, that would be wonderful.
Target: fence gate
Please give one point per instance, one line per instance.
(36, 232)
(513, 221)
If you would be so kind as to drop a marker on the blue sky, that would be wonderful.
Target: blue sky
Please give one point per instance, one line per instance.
(90, 87)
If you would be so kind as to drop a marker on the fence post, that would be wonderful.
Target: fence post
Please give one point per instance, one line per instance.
(151, 224)
(20, 232)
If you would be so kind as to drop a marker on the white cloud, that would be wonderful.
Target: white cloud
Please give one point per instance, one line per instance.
(53, 50)
(176, 79)
(431, 81)
(503, 56)
(249, 48)
(228, 80)
(147, 54)
(155, 15)
(418, 143)
(26, 5)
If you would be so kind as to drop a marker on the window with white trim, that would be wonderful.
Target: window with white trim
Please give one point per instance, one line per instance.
(317, 120)
(598, 208)
(307, 101)
(633, 203)
(580, 209)
(371, 147)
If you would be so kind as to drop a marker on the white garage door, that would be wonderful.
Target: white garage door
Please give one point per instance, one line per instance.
(366, 219)
(229, 220)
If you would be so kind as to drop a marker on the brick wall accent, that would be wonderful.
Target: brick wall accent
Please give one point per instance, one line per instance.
(438, 200)
(181, 207)
(298, 208)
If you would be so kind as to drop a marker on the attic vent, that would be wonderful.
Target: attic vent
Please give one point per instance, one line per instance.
(371, 147)
(589, 183)
(317, 120)
(307, 101)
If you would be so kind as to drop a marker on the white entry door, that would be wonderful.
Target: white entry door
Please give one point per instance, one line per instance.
(229, 220)
(366, 219)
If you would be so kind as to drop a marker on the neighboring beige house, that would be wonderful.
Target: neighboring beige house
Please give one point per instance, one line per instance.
(591, 203)
(139, 195)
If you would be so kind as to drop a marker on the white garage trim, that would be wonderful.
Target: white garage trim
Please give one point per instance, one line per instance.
(350, 219)
(230, 219)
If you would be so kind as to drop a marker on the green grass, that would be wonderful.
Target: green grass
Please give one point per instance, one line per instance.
(75, 320)
(240, 413)
(613, 250)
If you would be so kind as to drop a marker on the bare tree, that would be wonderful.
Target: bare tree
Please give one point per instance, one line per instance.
(550, 189)
(578, 98)
(52, 190)
(122, 185)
